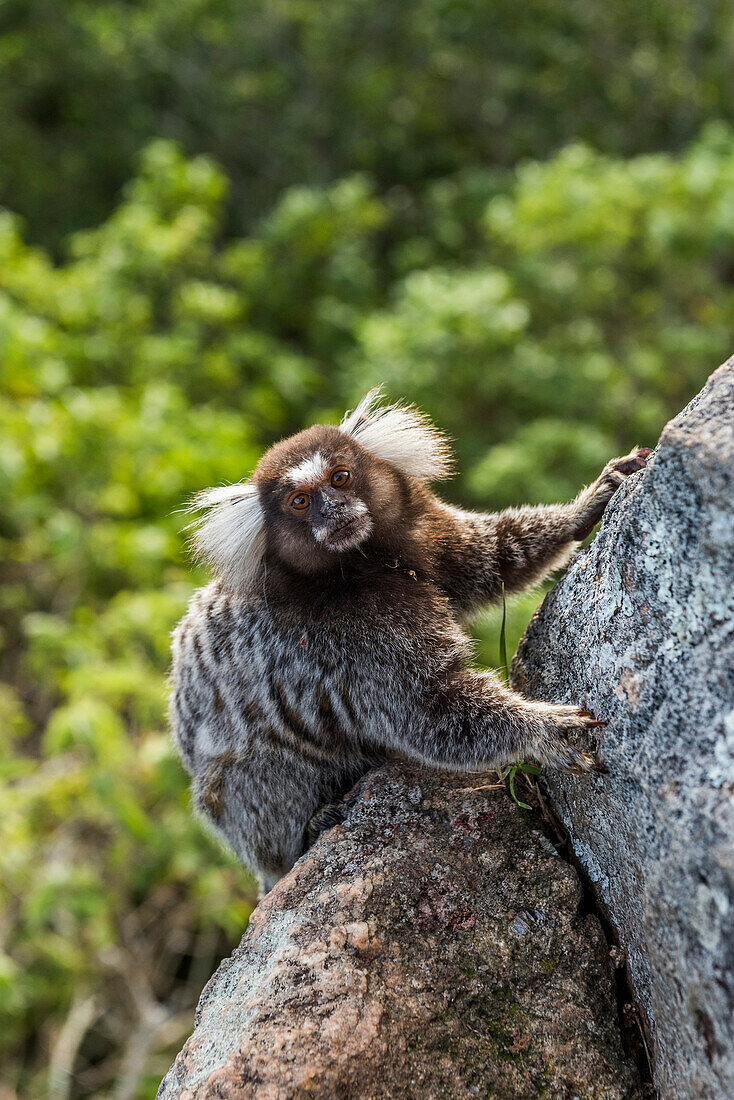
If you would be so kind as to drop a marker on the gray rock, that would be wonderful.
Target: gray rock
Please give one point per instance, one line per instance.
(432, 947)
(641, 632)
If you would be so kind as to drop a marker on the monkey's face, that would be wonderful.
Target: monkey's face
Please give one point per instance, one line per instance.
(323, 495)
(326, 495)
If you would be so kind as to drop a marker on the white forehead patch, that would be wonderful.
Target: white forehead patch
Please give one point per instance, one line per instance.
(308, 472)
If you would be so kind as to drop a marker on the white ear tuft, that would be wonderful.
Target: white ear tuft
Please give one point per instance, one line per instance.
(402, 435)
(230, 538)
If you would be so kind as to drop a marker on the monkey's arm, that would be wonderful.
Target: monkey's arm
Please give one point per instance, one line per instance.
(520, 546)
(470, 721)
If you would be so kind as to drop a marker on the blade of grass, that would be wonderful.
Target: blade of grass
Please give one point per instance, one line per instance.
(531, 769)
(518, 801)
(503, 639)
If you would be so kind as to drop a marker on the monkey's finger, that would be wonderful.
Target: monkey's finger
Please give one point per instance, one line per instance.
(590, 722)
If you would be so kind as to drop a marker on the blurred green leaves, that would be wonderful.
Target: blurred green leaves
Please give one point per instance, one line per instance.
(598, 300)
(290, 94)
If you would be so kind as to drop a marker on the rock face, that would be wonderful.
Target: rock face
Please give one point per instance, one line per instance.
(432, 947)
(641, 632)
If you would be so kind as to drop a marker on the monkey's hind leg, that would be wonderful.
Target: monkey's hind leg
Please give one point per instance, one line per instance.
(258, 817)
(325, 818)
(333, 813)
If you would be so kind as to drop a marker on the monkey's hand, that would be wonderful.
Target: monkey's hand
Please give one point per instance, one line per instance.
(550, 745)
(593, 500)
(618, 470)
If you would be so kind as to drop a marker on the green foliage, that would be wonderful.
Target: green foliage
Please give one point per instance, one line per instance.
(548, 321)
(509, 777)
(599, 298)
(291, 93)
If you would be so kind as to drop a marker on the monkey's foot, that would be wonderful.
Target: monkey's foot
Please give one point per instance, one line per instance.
(325, 818)
(333, 813)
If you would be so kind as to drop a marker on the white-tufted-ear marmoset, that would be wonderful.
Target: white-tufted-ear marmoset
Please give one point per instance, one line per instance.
(330, 639)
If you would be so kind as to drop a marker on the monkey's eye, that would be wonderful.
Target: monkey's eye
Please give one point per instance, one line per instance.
(340, 478)
(300, 502)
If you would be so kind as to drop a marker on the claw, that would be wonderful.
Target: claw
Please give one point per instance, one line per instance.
(594, 722)
(586, 763)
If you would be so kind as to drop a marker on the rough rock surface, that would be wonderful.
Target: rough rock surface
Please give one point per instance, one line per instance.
(641, 632)
(433, 946)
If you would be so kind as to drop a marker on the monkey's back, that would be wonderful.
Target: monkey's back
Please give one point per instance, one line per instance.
(262, 716)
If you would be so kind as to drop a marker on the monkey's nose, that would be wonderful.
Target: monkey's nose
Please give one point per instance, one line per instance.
(326, 508)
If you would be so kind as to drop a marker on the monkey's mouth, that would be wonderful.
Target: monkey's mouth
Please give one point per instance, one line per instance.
(347, 535)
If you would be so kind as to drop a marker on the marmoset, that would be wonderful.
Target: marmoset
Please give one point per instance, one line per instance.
(330, 640)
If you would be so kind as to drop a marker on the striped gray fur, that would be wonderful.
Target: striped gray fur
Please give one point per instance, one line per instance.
(331, 639)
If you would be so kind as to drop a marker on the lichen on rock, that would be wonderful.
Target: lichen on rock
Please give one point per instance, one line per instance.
(641, 632)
